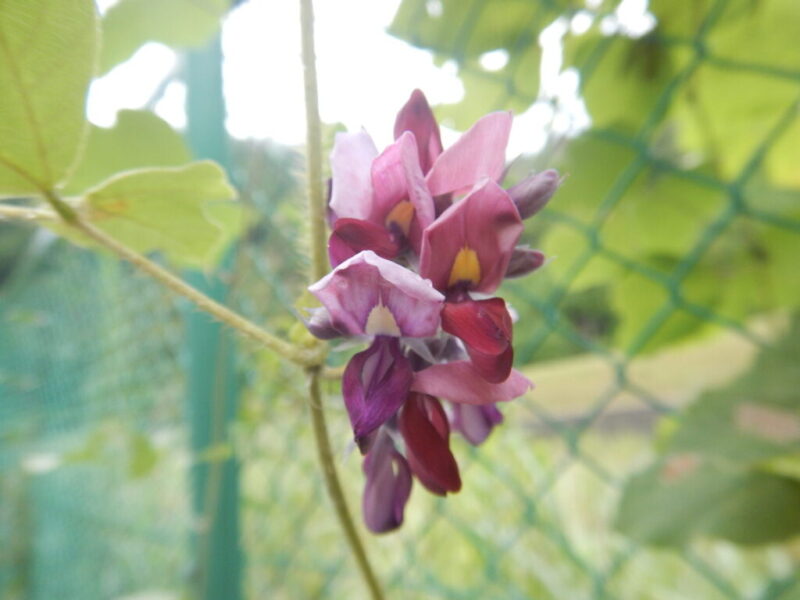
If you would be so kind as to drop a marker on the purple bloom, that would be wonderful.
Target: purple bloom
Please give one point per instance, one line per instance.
(375, 384)
(388, 485)
(369, 295)
(406, 263)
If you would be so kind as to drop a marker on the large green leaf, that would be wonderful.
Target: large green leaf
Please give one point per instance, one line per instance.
(756, 417)
(624, 78)
(138, 139)
(731, 461)
(47, 53)
(686, 495)
(166, 209)
(179, 23)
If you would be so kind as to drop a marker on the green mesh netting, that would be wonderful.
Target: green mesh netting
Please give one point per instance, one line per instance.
(619, 330)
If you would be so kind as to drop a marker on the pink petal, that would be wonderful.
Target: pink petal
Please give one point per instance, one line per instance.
(396, 176)
(351, 159)
(360, 284)
(487, 222)
(416, 116)
(460, 382)
(479, 153)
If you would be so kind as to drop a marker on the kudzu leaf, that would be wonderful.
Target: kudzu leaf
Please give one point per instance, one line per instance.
(686, 496)
(138, 139)
(179, 23)
(47, 53)
(756, 417)
(167, 209)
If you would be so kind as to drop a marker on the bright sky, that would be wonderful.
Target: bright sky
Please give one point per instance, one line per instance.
(365, 75)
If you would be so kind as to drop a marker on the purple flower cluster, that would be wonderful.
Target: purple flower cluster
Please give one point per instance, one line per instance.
(421, 239)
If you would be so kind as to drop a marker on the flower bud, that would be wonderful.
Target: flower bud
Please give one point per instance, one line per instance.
(524, 260)
(532, 193)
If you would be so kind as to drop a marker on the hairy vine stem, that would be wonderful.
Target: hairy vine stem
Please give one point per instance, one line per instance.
(319, 266)
(306, 357)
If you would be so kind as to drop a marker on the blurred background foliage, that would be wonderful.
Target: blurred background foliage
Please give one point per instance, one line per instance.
(659, 456)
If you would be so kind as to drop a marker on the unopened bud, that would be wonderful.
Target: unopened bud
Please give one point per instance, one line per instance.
(523, 261)
(321, 325)
(532, 193)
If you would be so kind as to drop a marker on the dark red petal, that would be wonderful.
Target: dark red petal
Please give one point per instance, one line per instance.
(375, 384)
(416, 116)
(351, 236)
(484, 325)
(426, 432)
(485, 328)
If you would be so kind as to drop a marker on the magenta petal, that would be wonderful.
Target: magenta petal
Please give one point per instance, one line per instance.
(367, 282)
(475, 423)
(388, 485)
(487, 222)
(351, 160)
(375, 384)
(426, 432)
(460, 382)
(478, 154)
(396, 176)
(351, 236)
(416, 116)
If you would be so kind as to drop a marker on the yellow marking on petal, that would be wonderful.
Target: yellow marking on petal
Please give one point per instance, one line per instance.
(466, 267)
(381, 322)
(401, 215)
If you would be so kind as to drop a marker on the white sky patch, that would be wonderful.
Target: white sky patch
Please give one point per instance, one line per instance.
(131, 84)
(494, 60)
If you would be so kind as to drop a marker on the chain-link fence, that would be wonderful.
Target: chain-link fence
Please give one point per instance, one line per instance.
(675, 235)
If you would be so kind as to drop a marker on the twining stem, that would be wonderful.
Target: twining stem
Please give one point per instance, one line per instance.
(334, 487)
(24, 213)
(316, 199)
(307, 357)
(319, 266)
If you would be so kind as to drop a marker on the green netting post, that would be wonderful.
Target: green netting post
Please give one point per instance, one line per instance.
(213, 383)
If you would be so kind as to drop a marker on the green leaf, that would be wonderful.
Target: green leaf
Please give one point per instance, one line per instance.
(166, 209)
(138, 139)
(47, 53)
(763, 33)
(179, 23)
(686, 495)
(624, 78)
(756, 417)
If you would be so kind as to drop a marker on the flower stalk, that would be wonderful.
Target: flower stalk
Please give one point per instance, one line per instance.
(319, 267)
(306, 357)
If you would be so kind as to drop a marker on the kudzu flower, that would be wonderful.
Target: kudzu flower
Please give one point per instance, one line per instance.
(421, 238)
